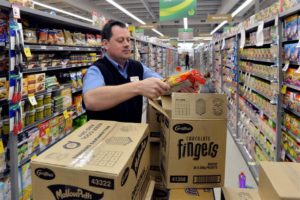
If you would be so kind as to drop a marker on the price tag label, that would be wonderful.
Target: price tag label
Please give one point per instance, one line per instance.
(27, 52)
(286, 66)
(260, 34)
(60, 48)
(32, 99)
(43, 47)
(283, 89)
(243, 39)
(298, 70)
(66, 114)
(16, 12)
(33, 157)
(77, 49)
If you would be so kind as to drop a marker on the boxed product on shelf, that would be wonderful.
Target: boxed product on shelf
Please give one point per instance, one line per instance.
(291, 52)
(278, 180)
(292, 123)
(194, 126)
(26, 181)
(292, 100)
(239, 193)
(121, 159)
(291, 146)
(291, 27)
(191, 194)
(292, 77)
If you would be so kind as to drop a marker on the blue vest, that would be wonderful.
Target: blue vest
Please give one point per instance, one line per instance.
(128, 111)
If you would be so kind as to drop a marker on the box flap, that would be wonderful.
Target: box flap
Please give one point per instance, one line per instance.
(284, 177)
(240, 193)
(155, 104)
(190, 106)
(100, 146)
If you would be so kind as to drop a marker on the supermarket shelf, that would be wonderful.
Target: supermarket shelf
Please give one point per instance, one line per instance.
(254, 45)
(5, 4)
(38, 47)
(71, 66)
(39, 150)
(291, 11)
(262, 148)
(259, 76)
(266, 23)
(290, 157)
(272, 100)
(43, 120)
(292, 63)
(267, 114)
(78, 115)
(261, 60)
(291, 110)
(253, 167)
(54, 19)
(63, 86)
(294, 40)
(292, 86)
(296, 138)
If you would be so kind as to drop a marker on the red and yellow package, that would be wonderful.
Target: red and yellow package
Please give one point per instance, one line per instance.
(190, 79)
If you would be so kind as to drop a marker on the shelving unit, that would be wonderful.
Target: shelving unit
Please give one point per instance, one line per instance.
(268, 91)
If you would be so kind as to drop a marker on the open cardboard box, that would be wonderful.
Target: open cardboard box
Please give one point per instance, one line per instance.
(193, 139)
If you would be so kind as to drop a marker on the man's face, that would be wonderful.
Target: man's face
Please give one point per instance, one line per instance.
(118, 46)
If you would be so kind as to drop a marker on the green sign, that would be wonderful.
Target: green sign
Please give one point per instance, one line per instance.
(139, 30)
(182, 30)
(176, 9)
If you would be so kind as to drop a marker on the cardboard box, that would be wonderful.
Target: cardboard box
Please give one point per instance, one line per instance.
(154, 119)
(279, 180)
(100, 160)
(240, 194)
(193, 140)
(192, 194)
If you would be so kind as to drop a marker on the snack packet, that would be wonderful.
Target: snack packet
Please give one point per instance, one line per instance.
(190, 79)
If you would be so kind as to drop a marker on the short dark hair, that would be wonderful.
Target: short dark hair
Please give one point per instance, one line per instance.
(106, 32)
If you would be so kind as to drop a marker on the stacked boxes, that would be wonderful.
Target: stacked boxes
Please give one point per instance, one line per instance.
(34, 83)
(193, 140)
(110, 159)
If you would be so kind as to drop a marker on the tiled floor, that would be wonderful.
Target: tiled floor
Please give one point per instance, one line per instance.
(235, 164)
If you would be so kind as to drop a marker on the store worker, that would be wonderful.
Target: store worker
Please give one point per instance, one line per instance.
(114, 85)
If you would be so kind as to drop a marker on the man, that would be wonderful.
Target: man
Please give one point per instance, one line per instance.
(187, 61)
(113, 87)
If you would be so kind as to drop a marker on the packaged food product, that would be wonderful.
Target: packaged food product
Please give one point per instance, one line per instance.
(39, 114)
(44, 134)
(40, 77)
(98, 40)
(40, 87)
(79, 79)
(30, 117)
(60, 37)
(5, 127)
(291, 26)
(79, 39)
(3, 82)
(47, 98)
(52, 36)
(39, 100)
(3, 93)
(43, 36)
(30, 36)
(91, 40)
(73, 79)
(68, 37)
(47, 110)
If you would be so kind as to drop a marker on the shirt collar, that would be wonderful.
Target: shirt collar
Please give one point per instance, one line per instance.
(115, 64)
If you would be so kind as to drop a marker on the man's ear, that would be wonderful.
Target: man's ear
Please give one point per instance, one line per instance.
(105, 44)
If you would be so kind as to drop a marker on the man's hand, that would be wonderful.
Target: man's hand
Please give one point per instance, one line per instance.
(152, 87)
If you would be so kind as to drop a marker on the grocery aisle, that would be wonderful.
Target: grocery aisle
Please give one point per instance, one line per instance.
(234, 165)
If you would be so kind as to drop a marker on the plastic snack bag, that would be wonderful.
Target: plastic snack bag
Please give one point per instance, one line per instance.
(91, 40)
(68, 38)
(30, 36)
(60, 37)
(43, 36)
(190, 79)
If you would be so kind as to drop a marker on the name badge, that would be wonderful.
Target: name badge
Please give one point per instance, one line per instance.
(134, 78)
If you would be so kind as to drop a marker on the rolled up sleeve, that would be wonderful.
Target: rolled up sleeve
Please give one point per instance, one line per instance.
(92, 79)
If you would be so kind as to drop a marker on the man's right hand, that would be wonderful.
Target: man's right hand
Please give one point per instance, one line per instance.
(152, 87)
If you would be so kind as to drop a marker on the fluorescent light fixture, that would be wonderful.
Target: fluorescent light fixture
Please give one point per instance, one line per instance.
(156, 31)
(61, 11)
(185, 23)
(218, 27)
(126, 11)
(239, 9)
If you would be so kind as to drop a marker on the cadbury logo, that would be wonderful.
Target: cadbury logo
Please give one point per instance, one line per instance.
(45, 173)
(183, 128)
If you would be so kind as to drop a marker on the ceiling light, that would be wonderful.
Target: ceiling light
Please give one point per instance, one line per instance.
(239, 9)
(218, 27)
(61, 11)
(126, 11)
(185, 23)
(156, 31)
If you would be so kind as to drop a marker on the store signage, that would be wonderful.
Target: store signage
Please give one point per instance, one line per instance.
(176, 9)
(185, 34)
(148, 26)
(219, 18)
(139, 32)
